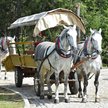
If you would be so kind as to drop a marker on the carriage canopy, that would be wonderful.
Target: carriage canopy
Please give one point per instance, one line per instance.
(49, 19)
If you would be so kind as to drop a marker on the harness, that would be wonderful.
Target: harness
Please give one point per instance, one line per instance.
(88, 55)
(46, 57)
(61, 51)
(58, 50)
(93, 54)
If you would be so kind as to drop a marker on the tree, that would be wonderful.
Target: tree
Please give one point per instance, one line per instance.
(94, 13)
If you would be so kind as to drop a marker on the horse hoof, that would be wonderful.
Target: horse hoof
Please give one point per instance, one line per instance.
(37, 94)
(97, 99)
(84, 100)
(5, 78)
(79, 95)
(49, 96)
(56, 101)
(67, 100)
(41, 97)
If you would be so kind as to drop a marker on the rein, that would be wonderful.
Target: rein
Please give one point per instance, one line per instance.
(79, 63)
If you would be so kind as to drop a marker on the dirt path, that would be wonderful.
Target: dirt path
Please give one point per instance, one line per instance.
(28, 91)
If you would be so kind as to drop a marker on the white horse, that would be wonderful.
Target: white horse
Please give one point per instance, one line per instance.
(4, 50)
(57, 57)
(91, 50)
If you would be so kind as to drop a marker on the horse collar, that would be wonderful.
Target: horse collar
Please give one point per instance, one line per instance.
(85, 47)
(61, 51)
(86, 53)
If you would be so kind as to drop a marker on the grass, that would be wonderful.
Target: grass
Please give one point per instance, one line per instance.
(9, 99)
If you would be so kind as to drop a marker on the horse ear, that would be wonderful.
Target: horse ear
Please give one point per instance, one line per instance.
(74, 26)
(14, 37)
(65, 26)
(91, 31)
(100, 30)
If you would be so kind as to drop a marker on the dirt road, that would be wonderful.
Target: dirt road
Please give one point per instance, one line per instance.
(27, 91)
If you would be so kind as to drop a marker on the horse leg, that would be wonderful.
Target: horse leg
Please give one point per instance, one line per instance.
(41, 75)
(65, 87)
(56, 100)
(49, 95)
(84, 97)
(96, 83)
(0, 70)
(80, 89)
(5, 77)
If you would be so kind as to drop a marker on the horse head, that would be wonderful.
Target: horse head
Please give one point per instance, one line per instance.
(92, 45)
(96, 39)
(67, 41)
(71, 36)
(5, 42)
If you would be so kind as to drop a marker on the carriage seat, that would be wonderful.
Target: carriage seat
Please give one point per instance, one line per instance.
(29, 52)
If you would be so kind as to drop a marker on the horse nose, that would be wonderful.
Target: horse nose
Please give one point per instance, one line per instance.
(75, 49)
(100, 52)
(75, 46)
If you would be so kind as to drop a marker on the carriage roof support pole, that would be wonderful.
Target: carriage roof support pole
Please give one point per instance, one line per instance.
(17, 39)
(22, 39)
(78, 13)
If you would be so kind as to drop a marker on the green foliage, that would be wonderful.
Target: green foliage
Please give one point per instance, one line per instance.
(93, 12)
(9, 99)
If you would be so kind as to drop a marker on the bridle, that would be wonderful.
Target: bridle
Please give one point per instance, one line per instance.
(93, 51)
(59, 49)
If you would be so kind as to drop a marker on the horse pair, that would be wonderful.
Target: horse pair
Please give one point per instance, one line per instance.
(59, 56)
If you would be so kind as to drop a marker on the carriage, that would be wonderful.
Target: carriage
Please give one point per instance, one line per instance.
(24, 63)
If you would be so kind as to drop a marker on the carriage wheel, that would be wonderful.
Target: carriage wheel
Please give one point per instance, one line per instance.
(18, 77)
(73, 85)
(36, 84)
